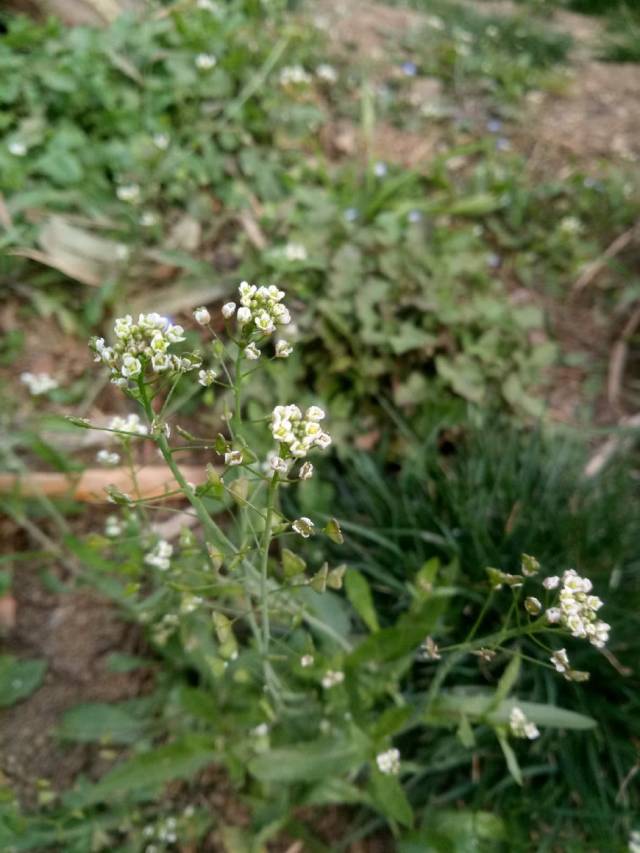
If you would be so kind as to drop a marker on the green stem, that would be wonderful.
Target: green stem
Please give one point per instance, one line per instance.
(264, 567)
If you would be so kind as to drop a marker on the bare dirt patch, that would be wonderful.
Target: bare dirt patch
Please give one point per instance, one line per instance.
(598, 115)
(74, 633)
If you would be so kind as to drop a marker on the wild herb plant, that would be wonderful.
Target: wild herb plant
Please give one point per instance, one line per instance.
(302, 695)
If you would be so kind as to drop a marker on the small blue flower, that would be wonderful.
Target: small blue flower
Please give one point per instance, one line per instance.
(494, 125)
(409, 69)
(414, 216)
(380, 169)
(493, 260)
(351, 214)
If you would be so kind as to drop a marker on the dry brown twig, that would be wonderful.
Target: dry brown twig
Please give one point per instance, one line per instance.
(618, 358)
(592, 269)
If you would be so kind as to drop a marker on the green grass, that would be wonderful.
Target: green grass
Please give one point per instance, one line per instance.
(483, 496)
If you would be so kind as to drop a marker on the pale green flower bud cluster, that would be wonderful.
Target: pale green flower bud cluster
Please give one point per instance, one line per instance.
(520, 726)
(142, 345)
(297, 432)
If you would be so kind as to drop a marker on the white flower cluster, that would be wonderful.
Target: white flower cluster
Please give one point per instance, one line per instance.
(113, 527)
(160, 556)
(131, 424)
(577, 608)
(520, 726)
(332, 678)
(294, 75)
(261, 308)
(326, 73)
(297, 432)
(107, 458)
(389, 762)
(38, 383)
(142, 344)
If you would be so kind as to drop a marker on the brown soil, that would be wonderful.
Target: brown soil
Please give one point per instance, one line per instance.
(74, 632)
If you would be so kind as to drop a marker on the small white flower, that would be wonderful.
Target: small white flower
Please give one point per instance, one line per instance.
(295, 252)
(113, 526)
(326, 73)
(107, 458)
(306, 661)
(551, 582)
(261, 730)
(634, 841)
(380, 170)
(283, 349)
(161, 141)
(17, 148)
(244, 315)
(233, 457)
(251, 351)
(206, 377)
(148, 219)
(570, 225)
(306, 471)
(520, 726)
(201, 316)
(228, 310)
(560, 660)
(331, 678)
(303, 526)
(315, 413)
(205, 61)
(38, 383)
(160, 556)
(294, 75)
(128, 192)
(279, 465)
(161, 362)
(554, 615)
(131, 366)
(389, 762)
(323, 440)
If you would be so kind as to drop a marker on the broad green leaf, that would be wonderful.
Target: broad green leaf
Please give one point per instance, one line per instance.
(449, 706)
(178, 760)
(310, 761)
(389, 798)
(456, 831)
(101, 722)
(359, 594)
(19, 678)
